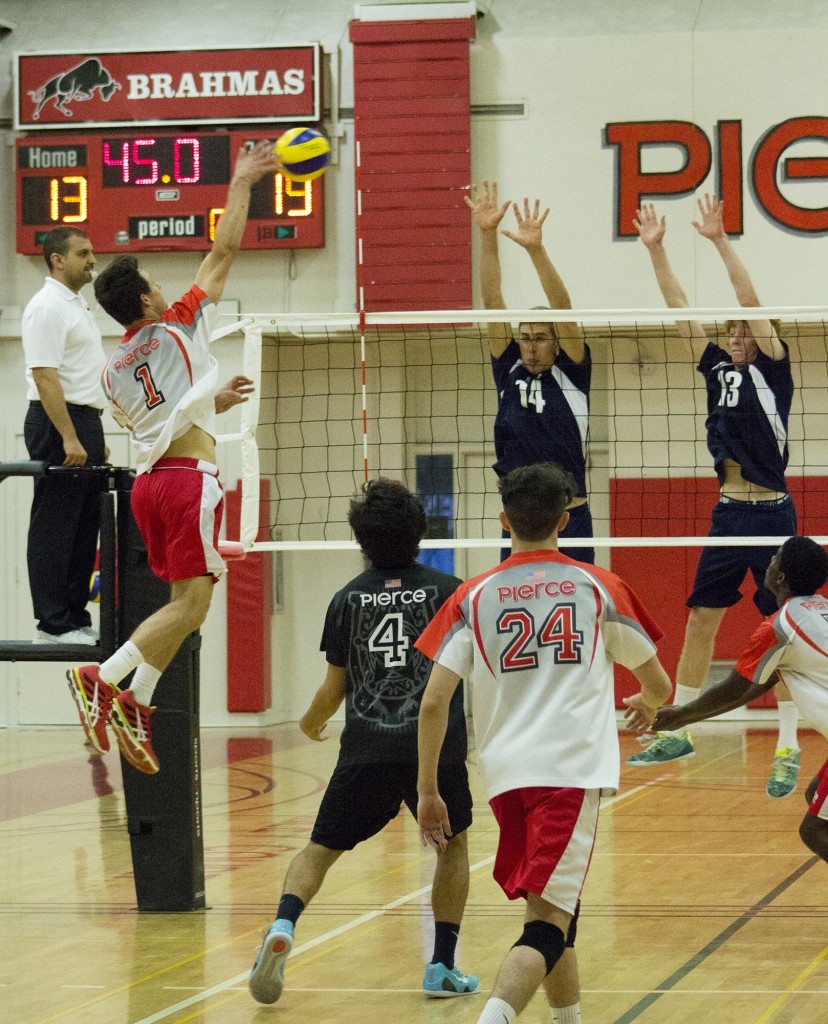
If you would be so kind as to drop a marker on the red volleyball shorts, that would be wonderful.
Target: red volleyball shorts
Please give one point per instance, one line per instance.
(546, 840)
(178, 506)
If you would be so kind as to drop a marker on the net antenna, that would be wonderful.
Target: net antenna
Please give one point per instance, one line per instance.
(427, 378)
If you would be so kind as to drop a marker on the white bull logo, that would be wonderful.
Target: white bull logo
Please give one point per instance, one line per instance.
(79, 83)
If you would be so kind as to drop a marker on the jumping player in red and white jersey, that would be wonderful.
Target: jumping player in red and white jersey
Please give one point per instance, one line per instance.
(793, 647)
(163, 385)
(538, 636)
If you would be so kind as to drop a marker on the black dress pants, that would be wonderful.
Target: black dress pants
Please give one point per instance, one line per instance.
(63, 529)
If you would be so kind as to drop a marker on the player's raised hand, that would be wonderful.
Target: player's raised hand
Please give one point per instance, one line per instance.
(529, 232)
(650, 229)
(433, 821)
(253, 164)
(234, 392)
(482, 202)
(712, 224)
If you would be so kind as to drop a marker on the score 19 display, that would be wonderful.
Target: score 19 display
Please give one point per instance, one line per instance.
(154, 192)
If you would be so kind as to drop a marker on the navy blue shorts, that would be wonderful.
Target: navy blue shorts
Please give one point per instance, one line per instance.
(579, 525)
(722, 571)
(362, 798)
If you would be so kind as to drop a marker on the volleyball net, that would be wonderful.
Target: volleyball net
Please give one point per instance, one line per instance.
(411, 397)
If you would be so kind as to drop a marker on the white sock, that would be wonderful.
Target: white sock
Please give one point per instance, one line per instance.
(496, 1011)
(122, 662)
(143, 685)
(566, 1014)
(788, 718)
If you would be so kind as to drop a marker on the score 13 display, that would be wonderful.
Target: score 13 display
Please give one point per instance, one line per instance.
(156, 192)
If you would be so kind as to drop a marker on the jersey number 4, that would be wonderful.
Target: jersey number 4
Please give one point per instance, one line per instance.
(558, 632)
(152, 395)
(389, 640)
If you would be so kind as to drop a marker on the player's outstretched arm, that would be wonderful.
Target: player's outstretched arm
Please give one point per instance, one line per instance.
(325, 704)
(487, 215)
(432, 816)
(651, 231)
(529, 235)
(655, 690)
(711, 227)
(733, 692)
(251, 165)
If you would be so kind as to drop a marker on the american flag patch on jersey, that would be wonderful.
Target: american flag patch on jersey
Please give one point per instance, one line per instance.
(392, 583)
(538, 576)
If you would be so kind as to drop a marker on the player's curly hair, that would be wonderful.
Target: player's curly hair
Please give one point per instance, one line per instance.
(388, 522)
(534, 498)
(119, 288)
(805, 565)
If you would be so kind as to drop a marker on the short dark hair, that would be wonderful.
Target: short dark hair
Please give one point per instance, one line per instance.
(388, 522)
(534, 499)
(119, 289)
(57, 241)
(805, 565)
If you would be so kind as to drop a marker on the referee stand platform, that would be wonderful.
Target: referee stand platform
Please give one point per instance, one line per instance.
(164, 816)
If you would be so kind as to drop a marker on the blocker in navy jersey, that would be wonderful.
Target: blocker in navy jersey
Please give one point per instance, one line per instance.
(542, 417)
(747, 414)
(370, 630)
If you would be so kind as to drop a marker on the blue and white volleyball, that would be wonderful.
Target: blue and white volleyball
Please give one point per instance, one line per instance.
(304, 153)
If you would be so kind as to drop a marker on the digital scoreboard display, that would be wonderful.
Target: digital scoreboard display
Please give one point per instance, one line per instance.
(154, 192)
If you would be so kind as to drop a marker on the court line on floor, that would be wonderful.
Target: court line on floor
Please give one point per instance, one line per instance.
(716, 943)
(357, 922)
(793, 989)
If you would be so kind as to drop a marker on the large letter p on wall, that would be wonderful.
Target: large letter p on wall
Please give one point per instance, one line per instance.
(632, 183)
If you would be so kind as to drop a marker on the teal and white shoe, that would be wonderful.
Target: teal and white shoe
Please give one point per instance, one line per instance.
(267, 978)
(441, 982)
(664, 748)
(782, 781)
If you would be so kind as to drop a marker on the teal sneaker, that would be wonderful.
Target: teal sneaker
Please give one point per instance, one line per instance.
(782, 781)
(664, 748)
(441, 982)
(267, 978)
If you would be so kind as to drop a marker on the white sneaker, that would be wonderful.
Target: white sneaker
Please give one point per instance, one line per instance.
(90, 631)
(73, 636)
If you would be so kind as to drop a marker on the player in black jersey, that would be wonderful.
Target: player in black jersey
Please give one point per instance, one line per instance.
(749, 393)
(543, 376)
(370, 629)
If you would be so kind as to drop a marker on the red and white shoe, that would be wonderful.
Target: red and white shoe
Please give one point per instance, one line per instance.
(93, 699)
(130, 722)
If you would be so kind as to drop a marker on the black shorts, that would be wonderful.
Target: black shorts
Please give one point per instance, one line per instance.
(362, 798)
(721, 571)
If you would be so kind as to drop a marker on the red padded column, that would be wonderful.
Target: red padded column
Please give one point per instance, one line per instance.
(412, 126)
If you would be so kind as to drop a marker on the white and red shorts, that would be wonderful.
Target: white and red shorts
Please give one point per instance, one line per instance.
(178, 505)
(819, 805)
(546, 840)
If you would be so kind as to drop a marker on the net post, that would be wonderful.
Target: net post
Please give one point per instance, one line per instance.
(164, 817)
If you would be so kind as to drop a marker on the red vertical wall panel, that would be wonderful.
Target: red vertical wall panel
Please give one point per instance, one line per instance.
(249, 610)
(412, 125)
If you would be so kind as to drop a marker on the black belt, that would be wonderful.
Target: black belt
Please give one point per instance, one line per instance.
(83, 410)
(769, 503)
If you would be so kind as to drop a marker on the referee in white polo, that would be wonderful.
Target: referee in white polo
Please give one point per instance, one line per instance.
(64, 359)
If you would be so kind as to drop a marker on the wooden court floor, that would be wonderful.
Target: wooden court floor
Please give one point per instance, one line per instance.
(701, 903)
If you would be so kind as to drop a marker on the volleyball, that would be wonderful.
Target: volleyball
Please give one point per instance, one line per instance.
(304, 153)
(95, 586)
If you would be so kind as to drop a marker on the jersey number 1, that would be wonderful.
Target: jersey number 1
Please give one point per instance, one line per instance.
(152, 394)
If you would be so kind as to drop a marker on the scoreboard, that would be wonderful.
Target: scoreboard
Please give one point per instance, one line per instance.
(152, 191)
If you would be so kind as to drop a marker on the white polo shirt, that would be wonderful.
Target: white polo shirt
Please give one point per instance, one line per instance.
(59, 331)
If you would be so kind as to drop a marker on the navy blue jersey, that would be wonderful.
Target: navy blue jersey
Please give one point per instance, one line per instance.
(542, 417)
(747, 414)
(370, 629)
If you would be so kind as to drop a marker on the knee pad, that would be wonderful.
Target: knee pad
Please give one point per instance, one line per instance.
(547, 939)
(573, 926)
